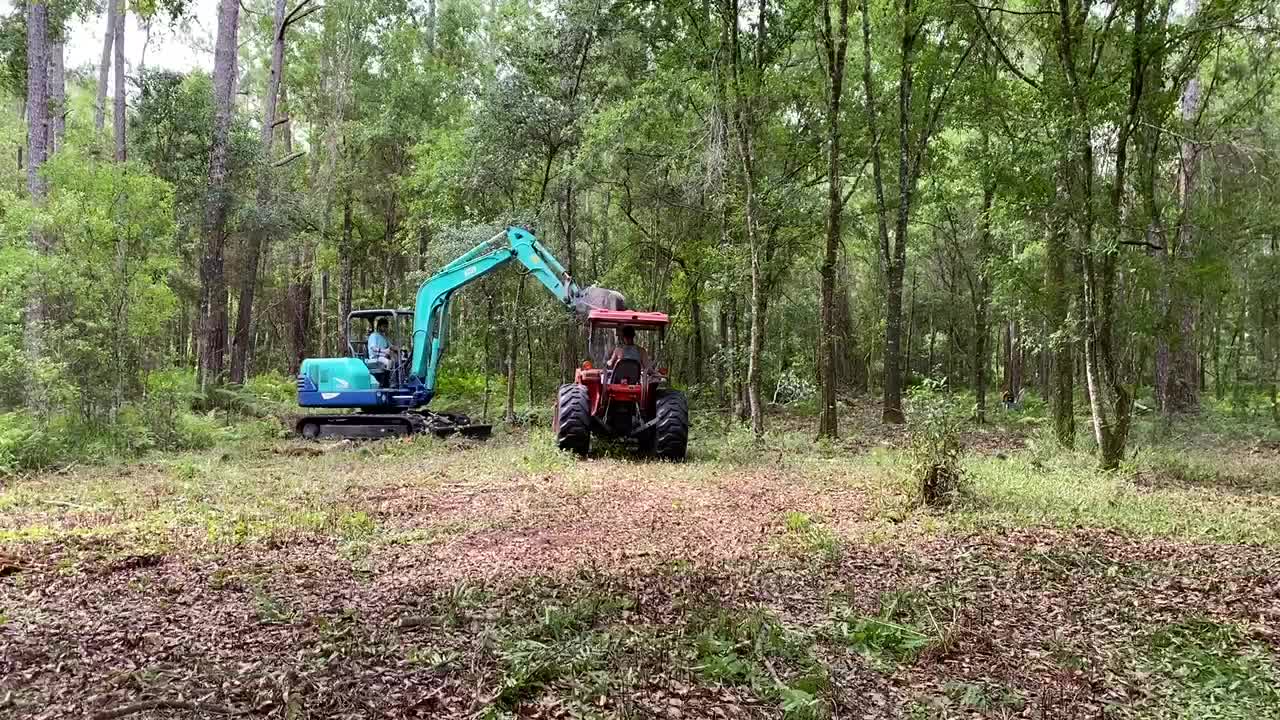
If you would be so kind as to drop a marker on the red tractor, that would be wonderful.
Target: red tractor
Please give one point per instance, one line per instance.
(628, 401)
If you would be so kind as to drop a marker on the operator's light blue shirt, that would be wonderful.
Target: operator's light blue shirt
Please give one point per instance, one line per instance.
(378, 345)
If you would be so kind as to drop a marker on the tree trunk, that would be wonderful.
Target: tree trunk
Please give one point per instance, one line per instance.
(835, 47)
(722, 353)
(259, 237)
(740, 410)
(1181, 391)
(104, 68)
(57, 96)
(744, 122)
(569, 351)
(513, 351)
(982, 303)
(892, 258)
(1061, 342)
(213, 281)
(299, 290)
(346, 276)
(698, 356)
(118, 115)
(37, 22)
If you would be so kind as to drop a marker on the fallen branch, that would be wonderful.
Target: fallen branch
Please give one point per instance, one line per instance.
(145, 705)
(288, 159)
(63, 503)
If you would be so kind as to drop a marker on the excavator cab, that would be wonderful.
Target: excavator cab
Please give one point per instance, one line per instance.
(388, 371)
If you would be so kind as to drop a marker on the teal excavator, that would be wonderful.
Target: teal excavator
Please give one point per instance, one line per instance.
(388, 395)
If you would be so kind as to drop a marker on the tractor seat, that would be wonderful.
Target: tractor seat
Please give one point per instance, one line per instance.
(625, 372)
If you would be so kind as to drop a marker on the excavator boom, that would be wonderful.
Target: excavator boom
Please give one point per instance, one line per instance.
(431, 310)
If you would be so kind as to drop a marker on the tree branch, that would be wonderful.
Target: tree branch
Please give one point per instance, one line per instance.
(991, 41)
(293, 15)
(288, 159)
(1007, 11)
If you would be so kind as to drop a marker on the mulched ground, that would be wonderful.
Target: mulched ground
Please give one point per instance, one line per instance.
(301, 630)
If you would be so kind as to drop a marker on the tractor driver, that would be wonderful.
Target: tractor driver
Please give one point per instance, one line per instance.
(380, 349)
(629, 350)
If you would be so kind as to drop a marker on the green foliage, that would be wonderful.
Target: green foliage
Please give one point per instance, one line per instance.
(935, 448)
(1207, 669)
(881, 639)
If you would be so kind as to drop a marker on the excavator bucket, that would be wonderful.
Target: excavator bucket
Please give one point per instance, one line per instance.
(598, 298)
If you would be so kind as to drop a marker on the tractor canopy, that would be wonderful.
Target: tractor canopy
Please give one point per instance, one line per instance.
(634, 318)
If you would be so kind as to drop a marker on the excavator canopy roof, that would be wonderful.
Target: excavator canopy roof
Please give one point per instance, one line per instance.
(634, 318)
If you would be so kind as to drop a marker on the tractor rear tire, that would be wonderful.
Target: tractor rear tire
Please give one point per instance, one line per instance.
(573, 420)
(671, 436)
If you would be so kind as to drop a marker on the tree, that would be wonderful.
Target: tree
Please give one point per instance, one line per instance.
(213, 298)
(916, 124)
(37, 152)
(834, 45)
(118, 108)
(746, 81)
(258, 238)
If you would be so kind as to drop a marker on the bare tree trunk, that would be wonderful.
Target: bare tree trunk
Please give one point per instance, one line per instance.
(104, 68)
(213, 281)
(118, 116)
(259, 237)
(57, 96)
(835, 47)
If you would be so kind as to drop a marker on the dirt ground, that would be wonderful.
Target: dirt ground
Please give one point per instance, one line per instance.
(433, 579)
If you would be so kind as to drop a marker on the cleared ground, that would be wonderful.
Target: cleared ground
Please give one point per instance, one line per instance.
(445, 579)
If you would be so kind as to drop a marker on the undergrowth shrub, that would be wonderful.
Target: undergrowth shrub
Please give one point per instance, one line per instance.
(25, 445)
(935, 448)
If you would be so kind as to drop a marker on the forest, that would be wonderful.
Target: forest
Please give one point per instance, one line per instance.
(1071, 204)
(978, 299)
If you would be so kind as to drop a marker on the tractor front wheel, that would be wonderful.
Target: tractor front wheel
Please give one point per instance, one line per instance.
(671, 432)
(573, 420)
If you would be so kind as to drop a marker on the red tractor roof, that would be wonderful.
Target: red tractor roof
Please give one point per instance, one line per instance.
(618, 318)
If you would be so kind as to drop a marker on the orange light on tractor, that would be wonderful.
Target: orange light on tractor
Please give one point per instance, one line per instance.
(663, 372)
(586, 364)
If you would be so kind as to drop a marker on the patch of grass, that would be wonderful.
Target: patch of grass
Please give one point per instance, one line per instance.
(741, 647)
(1069, 492)
(1205, 669)
(807, 536)
(906, 628)
(271, 610)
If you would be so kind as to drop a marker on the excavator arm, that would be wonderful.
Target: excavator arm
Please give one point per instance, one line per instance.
(431, 309)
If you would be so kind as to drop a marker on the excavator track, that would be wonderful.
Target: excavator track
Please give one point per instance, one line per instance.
(373, 426)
